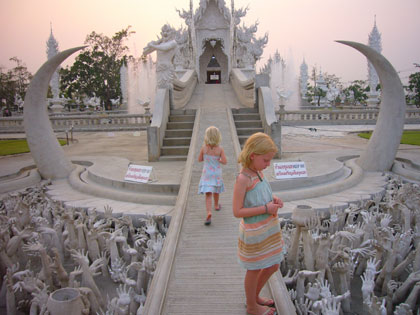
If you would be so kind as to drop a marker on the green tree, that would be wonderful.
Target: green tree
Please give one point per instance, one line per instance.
(414, 88)
(14, 82)
(96, 71)
(356, 92)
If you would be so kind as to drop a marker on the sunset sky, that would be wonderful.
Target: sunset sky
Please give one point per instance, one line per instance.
(297, 29)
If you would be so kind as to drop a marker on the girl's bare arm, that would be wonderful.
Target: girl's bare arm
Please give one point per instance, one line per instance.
(222, 159)
(239, 191)
(200, 156)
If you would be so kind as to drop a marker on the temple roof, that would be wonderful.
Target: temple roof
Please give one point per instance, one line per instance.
(220, 4)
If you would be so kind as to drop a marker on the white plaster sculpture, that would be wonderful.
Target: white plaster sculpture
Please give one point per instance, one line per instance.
(249, 48)
(377, 240)
(382, 146)
(46, 151)
(165, 48)
(187, 50)
(34, 271)
(66, 300)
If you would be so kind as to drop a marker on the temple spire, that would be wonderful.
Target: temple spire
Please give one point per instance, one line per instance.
(52, 44)
(375, 42)
(52, 50)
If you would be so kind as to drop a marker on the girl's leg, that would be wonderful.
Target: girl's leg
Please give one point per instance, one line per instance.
(262, 278)
(251, 287)
(208, 207)
(216, 201)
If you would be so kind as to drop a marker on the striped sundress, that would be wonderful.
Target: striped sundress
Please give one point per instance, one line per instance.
(260, 243)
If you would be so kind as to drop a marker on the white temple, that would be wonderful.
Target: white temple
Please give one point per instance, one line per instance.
(303, 79)
(52, 50)
(322, 85)
(374, 42)
(216, 41)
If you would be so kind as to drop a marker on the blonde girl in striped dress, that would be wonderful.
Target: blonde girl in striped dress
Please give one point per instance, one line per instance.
(260, 244)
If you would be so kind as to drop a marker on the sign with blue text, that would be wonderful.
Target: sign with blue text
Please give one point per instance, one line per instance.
(285, 170)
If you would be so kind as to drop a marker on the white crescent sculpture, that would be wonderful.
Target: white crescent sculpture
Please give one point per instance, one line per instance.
(385, 140)
(46, 151)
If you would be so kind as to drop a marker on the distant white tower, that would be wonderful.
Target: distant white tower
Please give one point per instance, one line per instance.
(303, 80)
(321, 84)
(375, 42)
(124, 85)
(52, 50)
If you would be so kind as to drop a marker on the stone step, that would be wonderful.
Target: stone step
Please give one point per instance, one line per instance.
(174, 150)
(182, 118)
(178, 133)
(246, 116)
(61, 190)
(248, 131)
(368, 188)
(244, 110)
(180, 112)
(169, 158)
(179, 125)
(176, 141)
(248, 124)
(242, 139)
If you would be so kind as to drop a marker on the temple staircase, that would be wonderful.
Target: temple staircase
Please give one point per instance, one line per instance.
(247, 122)
(178, 133)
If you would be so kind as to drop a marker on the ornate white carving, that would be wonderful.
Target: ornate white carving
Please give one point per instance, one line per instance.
(52, 50)
(33, 232)
(220, 4)
(377, 240)
(165, 48)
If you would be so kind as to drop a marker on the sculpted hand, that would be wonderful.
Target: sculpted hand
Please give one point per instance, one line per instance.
(331, 307)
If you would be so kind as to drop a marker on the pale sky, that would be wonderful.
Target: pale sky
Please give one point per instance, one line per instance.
(297, 29)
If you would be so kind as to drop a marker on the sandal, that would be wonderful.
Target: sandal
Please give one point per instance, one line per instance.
(218, 209)
(208, 220)
(267, 302)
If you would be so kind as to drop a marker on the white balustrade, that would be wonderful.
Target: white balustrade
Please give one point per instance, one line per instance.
(324, 116)
(83, 122)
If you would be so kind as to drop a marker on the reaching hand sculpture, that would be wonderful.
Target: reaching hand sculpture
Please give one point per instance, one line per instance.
(88, 272)
(45, 274)
(165, 48)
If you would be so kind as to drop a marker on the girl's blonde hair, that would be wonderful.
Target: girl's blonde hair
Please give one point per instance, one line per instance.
(259, 143)
(212, 136)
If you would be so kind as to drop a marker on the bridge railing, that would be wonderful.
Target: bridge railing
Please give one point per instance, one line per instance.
(157, 128)
(269, 120)
(243, 87)
(183, 88)
(88, 122)
(339, 116)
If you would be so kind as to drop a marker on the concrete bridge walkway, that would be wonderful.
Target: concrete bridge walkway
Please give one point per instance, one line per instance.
(205, 277)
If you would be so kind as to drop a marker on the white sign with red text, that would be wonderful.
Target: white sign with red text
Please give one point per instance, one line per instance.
(286, 170)
(138, 173)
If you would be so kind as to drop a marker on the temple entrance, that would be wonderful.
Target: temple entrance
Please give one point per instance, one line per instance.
(213, 64)
(214, 77)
